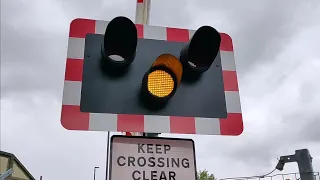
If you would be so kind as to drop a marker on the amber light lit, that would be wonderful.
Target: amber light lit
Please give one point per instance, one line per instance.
(170, 62)
(160, 83)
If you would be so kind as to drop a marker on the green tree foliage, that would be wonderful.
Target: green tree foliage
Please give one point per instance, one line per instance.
(205, 175)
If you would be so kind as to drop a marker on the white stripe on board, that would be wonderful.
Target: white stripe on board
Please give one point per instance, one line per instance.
(101, 27)
(76, 48)
(72, 93)
(207, 126)
(191, 33)
(227, 60)
(102, 122)
(154, 32)
(157, 124)
(233, 101)
(139, 13)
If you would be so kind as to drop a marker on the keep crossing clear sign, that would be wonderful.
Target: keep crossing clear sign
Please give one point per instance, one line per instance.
(152, 158)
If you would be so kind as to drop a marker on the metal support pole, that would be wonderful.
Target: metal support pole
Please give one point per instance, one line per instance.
(304, 160)
(107, 159)
(142, 11)
(94, 172)
(142, 17)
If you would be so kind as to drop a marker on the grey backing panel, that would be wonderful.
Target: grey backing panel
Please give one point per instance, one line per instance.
(103, 94)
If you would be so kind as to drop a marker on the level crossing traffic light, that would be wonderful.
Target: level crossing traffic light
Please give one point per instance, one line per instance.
(122, 76)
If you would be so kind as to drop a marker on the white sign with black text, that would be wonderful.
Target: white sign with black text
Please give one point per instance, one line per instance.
(152, 158)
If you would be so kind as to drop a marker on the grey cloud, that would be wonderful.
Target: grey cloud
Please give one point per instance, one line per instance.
(308, 127)
(282, 126)
(47, 54)
(276, 53)
(170, 13)
(35, 65)
(99, 9)
(41, 143)
(261, 29)
(280, 101)
(34, 52)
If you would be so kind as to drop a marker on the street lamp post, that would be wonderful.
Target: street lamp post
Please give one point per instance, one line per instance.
(94, 173)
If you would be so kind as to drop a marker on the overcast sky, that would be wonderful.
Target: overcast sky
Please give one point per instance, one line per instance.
(276, 46)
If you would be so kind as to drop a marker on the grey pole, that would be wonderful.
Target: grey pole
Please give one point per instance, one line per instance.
(107, 159)
(142, 17)
(304, 161)
(94, 172)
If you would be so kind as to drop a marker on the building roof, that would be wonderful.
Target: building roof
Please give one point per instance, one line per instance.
(12, 158)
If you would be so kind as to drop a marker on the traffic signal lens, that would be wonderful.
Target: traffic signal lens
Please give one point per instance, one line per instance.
(160, 83)
(120, 43)
(170, 63)
(201, 51)
(116, 58)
